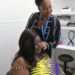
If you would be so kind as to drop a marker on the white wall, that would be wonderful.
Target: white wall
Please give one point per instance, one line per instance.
(59, 4)
(13, 17)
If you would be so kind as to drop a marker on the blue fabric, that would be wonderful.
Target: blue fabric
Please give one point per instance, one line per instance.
(57, 68)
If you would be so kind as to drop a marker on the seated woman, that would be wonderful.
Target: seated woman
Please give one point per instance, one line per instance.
(30, 59)
(25, 58)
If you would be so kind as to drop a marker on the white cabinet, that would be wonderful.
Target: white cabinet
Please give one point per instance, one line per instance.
(67, 22)
(58, 5)
(68, 36)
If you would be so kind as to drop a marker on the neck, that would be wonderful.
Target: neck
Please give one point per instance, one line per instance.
(45, 17)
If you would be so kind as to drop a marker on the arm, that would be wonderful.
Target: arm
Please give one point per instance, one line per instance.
(19, 67)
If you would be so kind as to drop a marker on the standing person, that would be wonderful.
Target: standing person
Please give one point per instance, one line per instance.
(46, 25)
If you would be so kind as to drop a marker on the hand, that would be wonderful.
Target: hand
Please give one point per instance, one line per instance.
(43, 45)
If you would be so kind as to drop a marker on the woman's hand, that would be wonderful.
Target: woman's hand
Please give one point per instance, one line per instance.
(43, 45)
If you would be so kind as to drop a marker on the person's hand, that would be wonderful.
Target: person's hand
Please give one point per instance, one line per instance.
(43, 45)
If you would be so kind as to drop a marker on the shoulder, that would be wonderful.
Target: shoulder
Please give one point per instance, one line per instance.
(52, 17)
(19, 67)
(34, 15)
(56, 21)
(19, 60)
(19, 63)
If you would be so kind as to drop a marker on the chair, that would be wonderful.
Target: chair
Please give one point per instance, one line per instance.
(66, 59)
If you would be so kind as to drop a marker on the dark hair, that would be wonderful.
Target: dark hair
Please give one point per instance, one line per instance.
(38, 2)
(26, 47)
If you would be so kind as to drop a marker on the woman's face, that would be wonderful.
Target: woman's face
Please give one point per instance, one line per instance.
(45, 8)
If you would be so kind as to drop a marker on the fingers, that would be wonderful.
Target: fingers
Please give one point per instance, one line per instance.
(43, 45)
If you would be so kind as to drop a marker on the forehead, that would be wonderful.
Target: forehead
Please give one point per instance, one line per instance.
(46, 3)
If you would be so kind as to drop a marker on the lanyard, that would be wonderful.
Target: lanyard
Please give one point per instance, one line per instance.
(44, 28)
(45, 31)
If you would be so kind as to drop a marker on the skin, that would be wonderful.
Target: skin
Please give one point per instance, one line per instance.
(46, 8)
